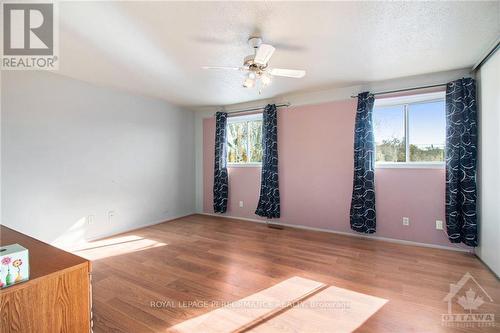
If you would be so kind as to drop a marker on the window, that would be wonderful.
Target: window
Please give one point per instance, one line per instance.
(244, 140)
(410, 130)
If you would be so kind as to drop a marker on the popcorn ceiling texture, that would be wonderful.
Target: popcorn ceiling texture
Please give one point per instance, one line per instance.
(157, 48)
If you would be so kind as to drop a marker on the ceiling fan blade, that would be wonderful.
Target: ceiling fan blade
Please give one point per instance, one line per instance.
(264, 53)
(223, 67)
(295, 73)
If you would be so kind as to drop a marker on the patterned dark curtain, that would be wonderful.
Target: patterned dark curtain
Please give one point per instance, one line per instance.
(269, 200)
(220, 167)
(363, 192)
(461, 150)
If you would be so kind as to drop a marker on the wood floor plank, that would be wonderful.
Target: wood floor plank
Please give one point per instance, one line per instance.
(108, 319)
(235, 317)
(333, 307)
(203, 258)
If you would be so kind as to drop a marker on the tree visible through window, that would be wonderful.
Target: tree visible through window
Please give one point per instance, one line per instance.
(410, 132)
(389, 134)
(244, 139)
(427, 131)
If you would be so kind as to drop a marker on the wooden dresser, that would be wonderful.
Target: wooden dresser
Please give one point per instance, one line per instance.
(57, 296)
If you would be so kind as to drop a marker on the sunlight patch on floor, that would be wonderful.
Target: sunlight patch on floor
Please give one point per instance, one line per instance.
(114, 246)
(294, 305)
(242, 313)
(331, 310)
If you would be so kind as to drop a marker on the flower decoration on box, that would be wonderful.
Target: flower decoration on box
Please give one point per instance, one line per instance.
(17, 263)
(6, 261)
(8, 278)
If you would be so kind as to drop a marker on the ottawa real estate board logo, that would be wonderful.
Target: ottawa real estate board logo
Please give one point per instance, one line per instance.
(469, 305)
(30, 34)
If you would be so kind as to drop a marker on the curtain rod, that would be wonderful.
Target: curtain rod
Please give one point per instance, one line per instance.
(230, 113)
(406, 89)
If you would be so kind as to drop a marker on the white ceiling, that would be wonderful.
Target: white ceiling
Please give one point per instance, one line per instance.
(157, 48)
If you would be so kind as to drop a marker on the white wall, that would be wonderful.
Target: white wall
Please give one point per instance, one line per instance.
(71, 149)
(488, 79)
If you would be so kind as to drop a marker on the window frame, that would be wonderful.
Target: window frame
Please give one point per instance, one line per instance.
(405, 102)
(243, 119)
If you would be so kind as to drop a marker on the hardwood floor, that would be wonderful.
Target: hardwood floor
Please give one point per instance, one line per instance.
(151, 279)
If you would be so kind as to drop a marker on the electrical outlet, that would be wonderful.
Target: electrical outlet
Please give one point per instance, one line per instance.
(241, 204)
(90, 219)
(439, 225)
(406, 221)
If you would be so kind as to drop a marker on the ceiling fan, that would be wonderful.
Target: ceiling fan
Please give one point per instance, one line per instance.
(256, 65)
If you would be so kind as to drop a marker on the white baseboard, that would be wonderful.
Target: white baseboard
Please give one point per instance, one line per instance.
(385, 239)
(129, 229)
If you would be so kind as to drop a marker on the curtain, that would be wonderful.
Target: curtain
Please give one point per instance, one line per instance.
(362, 212)
(220, 167)
(461, 149)
(269, 200)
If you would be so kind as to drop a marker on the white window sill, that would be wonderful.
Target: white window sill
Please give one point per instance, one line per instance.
(244, 165)
(410, 165)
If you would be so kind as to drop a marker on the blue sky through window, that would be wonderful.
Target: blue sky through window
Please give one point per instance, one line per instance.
(388, 123)
(426, 132)
(427, 123)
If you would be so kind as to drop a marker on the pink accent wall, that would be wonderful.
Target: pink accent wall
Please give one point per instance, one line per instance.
(316, 171)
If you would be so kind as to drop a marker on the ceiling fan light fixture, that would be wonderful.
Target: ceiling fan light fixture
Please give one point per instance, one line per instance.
(248, 83)
(250, 80)
(265, 79)
(256, 66)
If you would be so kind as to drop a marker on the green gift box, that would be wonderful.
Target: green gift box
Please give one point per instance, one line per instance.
(14, 265)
